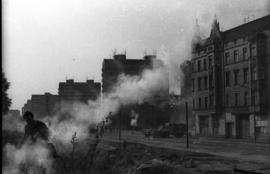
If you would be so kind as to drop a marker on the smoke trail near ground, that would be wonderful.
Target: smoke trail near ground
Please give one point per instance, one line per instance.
(12, 123)
(30, 158)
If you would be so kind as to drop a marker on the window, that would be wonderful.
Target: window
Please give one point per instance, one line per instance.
(211, 100)
(204, 50)
(199, 65)
(262, 74)
(236, 99)
(193, 84)
(227, 77)
(227, 58)
(235, 56)
(205, 82)
(193, 102)
(236, 72)
(210, 61)
(253, 99)
(192, 67)
(199, 83)
(210, 80)
(254, 73)
(253, 50)
(245, 71)
(235, 41)
(204, 64)
(205, 102)
(227, 99)
(200, 102)
(246, 98)
(215, 122)
(245, 57)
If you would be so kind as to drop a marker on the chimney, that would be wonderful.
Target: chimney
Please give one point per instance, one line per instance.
(89, 81)
(70, 81)
(119, 57)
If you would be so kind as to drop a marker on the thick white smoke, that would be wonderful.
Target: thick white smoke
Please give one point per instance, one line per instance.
(30, 158)
(77, 117)
(12, 123)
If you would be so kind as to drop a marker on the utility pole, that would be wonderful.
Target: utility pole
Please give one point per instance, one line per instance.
(254, 117)
(187, 124)
(120, 125)
(252, 92)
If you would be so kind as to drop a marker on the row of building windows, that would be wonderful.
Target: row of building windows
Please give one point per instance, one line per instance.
(203, 64)
(228, 101)
(210, 48)
(236, 99)
(227, 55)
(206, 104)
(202, 82)
(235, 42)
(236, 77)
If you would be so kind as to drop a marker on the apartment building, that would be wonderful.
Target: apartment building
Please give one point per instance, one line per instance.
(230, 81)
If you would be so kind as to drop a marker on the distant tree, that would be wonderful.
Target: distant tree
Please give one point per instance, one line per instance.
(6, 101)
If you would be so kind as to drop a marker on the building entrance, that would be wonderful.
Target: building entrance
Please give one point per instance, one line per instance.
(229, 130)
(204, 125)
(242, 126)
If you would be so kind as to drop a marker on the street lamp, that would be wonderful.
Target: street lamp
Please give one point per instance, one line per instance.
(187, 124)
(120, 125)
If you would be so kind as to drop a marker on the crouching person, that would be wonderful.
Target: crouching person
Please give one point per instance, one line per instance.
(35, 132)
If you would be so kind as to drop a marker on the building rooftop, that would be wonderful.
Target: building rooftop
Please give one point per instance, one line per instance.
(71, 81)
(249, 28)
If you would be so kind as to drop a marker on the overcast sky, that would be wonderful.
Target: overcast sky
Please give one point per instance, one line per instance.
(45, 41)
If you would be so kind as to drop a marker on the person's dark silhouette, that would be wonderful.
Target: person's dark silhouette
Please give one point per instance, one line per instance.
(36, 130)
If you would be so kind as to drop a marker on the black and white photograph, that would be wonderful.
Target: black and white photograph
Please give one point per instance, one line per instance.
(135, 86)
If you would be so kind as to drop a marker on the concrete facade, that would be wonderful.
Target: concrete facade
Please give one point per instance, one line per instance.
(41, 105)
(71, 91)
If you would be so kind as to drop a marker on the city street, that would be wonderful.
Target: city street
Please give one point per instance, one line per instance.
(242, 151)
(136, 87)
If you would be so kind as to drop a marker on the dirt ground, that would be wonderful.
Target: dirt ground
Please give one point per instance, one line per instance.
(137, 158)
(112, 157)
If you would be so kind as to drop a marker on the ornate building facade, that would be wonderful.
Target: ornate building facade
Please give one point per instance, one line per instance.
(230, 81)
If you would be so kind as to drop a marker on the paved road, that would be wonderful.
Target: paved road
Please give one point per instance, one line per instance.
(245, 151)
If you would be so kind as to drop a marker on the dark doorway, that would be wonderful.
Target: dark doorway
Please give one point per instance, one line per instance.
(229, 130)
(242, 126)
(204, 125)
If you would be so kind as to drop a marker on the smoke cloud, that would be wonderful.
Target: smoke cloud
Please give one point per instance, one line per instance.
(31, 158)
(12, 123)
(128, 90)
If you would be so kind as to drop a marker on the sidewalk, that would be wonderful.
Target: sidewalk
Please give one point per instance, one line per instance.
(244, 151)
(234, 140)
